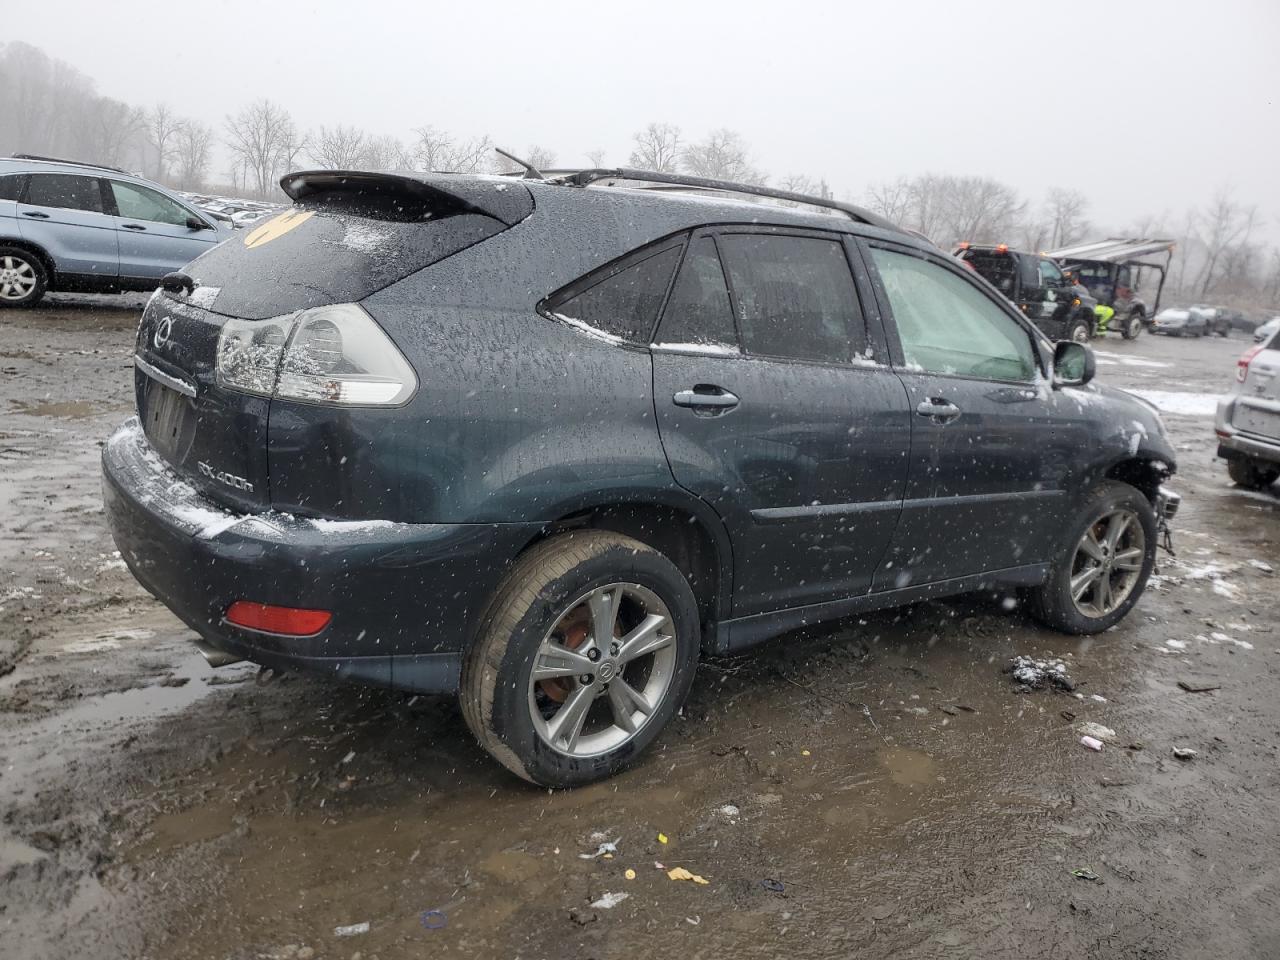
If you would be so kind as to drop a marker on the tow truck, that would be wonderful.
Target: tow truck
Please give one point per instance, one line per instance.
(1037, 286)
(1113, 270)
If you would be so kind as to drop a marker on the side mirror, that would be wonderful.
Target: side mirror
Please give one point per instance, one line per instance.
(195, 223)
(1073, 364)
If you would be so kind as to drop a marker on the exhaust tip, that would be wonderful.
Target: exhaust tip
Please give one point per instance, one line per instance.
(215, 657)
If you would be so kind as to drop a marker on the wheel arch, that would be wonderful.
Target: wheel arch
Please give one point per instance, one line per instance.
(36, 251)
(685, 530)
(1144, 471)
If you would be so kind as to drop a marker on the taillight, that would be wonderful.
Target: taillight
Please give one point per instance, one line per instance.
(333, 355)
(1242, 365)
(290, 621)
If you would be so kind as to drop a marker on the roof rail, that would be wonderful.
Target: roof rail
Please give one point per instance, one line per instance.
(73, 163)
(583, 178)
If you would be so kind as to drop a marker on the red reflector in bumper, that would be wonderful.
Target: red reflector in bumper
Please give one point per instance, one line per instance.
(290, 621)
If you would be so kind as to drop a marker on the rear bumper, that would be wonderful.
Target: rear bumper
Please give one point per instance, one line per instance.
(404, 596)
(1235, 445)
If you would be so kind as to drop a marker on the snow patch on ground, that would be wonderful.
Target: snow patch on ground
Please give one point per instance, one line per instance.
(1180, 403)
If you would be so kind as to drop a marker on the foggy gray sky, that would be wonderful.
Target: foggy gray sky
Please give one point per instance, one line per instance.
(1144, 106)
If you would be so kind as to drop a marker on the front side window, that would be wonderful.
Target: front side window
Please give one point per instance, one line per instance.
(624, 303)
(794, 297)
(1050, 275)
(947, 325)
(65, 191)
(140, 203)
(698, 313)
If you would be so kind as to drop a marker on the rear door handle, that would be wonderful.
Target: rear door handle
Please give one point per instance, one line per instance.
(133, 226)
(706, 395)
(35, 213)
(938, 409)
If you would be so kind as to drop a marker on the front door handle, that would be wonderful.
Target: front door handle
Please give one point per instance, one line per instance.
(133, 226)
(706, 395)
(938, 409)
(35, 213)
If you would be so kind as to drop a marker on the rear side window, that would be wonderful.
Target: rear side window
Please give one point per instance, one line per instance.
(625, 301)
(66, 191)
(698, 313)
(11, 187)
(948, 326)
(794, 297)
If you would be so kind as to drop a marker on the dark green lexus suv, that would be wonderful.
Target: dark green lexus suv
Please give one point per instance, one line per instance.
(543, 443)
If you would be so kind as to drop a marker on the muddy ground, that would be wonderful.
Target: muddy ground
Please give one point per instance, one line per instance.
(878, 788)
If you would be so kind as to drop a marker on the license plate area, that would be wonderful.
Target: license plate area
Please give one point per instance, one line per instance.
(1253, 420)
(169, 421)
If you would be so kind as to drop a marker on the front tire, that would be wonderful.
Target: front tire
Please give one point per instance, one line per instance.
(1103, 568)
(1251, 474)
(585, 653)
(1079, 332)
(23, 279)
(1133, 327)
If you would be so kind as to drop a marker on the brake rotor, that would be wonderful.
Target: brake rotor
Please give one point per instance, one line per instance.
(575, 628)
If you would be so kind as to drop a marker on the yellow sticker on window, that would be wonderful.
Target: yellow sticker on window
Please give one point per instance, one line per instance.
(277, 227)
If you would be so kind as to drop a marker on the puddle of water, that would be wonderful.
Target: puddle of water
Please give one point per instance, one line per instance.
(67, 409)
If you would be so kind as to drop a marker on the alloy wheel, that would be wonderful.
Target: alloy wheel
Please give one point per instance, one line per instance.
(17, 278)
(1107, 563)
(602, 670)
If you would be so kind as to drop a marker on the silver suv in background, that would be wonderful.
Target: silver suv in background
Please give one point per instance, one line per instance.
(1248, 421)
(77, 226)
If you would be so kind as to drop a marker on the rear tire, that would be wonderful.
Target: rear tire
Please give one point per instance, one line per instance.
(1251, 474)
(1132, 327)
(23, 278)
(545, 616)
(1096, 579)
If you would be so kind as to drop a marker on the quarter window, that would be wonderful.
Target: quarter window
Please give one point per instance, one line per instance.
(948, 326)
(698, 313)
(624, 303)
(140, 203)
(64, 190)
(794, 297)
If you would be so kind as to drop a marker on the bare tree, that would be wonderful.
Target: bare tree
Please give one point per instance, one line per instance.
(161, 128)
(891, 200)
(1066, 209)
(1224, 226)
(384, 153)
(193, 144)
(115, 126)
(657, 148)
(722, 156)
(980, 209)
(595, 158)
(339, 148)
(438, 150)
(263, 142)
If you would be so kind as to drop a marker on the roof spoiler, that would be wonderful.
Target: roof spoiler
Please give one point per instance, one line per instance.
(506, 202)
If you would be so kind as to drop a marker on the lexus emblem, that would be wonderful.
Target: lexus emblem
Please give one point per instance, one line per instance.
(164, 330)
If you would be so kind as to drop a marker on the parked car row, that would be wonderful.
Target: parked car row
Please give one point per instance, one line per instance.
(238, 211)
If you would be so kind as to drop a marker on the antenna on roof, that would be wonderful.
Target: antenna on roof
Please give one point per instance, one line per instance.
(530, 171)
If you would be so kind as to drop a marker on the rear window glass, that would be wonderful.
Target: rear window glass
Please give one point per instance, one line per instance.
(998, 269)
(623, 303)
(10, 187)
(698, 313)
(794, 296)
